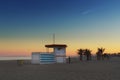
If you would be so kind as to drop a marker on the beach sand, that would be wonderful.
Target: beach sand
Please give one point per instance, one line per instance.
(77, 70)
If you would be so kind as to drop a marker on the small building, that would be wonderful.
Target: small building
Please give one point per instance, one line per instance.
(59, 51)
(57, 56)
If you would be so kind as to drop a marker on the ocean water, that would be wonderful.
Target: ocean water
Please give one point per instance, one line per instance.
(15, 58)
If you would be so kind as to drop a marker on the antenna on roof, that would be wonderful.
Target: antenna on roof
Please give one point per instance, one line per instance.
(53, 38)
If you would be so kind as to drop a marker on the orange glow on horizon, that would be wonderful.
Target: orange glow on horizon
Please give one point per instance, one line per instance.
(25, 48)
(69, 52)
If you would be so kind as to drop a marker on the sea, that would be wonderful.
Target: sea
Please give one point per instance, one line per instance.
(15, 58)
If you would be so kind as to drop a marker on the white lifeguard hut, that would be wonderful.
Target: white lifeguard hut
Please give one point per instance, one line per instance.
(59, 51)
(57, 56)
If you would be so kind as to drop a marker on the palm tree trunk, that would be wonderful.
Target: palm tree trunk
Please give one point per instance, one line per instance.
(81, 57)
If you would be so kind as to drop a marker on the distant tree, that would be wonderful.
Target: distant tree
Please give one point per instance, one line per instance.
(118, 53)
(100, 53)
(87, 53)
(105, 56)
(80, 53)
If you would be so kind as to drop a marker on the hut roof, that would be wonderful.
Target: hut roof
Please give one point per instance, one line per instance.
(55, 45)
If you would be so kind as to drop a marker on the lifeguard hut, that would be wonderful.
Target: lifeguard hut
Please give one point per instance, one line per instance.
(57, 56)
(59, 51)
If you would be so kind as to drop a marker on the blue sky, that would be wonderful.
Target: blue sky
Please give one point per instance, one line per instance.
(80, 21)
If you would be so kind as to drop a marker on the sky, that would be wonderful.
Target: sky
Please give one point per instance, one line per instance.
(27, 25)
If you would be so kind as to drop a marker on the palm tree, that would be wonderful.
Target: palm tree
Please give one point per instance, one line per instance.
(100, 53)
(80, 53)
(87, 52)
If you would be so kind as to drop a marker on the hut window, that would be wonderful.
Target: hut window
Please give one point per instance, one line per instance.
(59, 48)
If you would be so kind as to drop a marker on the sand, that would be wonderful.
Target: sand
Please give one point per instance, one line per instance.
(77, 70)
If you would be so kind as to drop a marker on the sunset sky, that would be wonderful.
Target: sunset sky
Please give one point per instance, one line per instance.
(27, 25)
